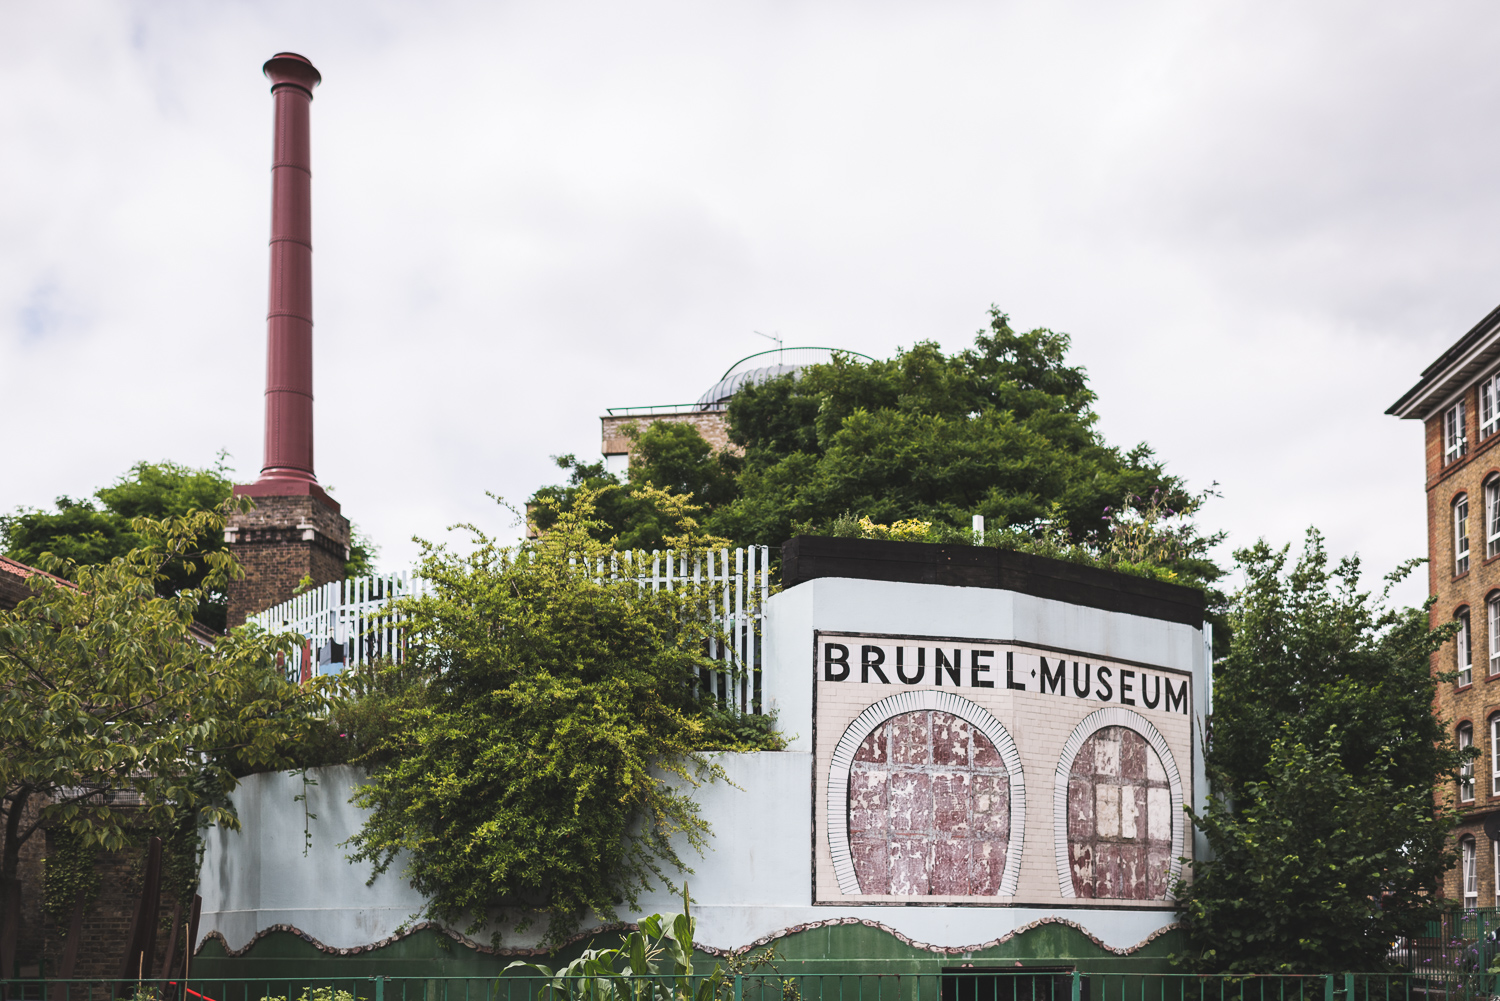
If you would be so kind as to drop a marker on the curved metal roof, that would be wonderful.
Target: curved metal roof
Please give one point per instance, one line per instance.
(760, 367)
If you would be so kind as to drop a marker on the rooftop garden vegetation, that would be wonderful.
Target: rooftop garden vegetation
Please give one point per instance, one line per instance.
(912, 448)
(1005, 429)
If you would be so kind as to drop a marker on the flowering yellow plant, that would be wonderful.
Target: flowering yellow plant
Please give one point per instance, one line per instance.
(909, 530)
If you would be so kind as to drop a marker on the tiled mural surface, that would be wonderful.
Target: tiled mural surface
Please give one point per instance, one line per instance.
(1119, 818)
(929, 808)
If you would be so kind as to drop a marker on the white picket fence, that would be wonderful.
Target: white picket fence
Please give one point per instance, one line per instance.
(347, 615)
(342, 625)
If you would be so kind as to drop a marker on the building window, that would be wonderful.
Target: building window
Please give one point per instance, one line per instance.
(1461, 535)
(1455, 435)
(1495, 761)
(1463, 655)
(1492, 518)
(1470, 872)
(1466, 773)
(1494, 617)
(1489, 406)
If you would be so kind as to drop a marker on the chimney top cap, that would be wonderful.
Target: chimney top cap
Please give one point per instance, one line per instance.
(290, 69)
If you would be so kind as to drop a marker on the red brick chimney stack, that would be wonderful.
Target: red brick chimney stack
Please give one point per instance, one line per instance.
(295, 530)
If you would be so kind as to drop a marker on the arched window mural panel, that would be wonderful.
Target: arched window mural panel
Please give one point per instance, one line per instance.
(1118, 810)
(925, 799)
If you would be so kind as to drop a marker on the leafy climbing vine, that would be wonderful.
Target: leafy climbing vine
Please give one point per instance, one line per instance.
(68, 871)
(535, 758)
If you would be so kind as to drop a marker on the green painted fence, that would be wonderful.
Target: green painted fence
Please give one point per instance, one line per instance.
(995, 983)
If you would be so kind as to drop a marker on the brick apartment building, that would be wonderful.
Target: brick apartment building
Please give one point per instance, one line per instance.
(1458, 401)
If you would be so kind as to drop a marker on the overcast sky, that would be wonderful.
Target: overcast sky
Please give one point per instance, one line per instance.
(1259, 222)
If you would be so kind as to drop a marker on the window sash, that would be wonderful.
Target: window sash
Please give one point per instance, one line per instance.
(1461, 536)
(1495, 763)
(1493, 518)
(1463, 654)
(1470, 873)
(1489, 413)
(1455, 440)
(1494, 606)
(1466, 773)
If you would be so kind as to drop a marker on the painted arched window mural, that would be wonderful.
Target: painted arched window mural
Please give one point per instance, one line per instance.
(928, 798)
(1119, 810)
(929, 808)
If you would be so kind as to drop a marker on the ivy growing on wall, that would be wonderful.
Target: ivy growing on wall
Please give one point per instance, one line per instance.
(69, 873)
(534, 759)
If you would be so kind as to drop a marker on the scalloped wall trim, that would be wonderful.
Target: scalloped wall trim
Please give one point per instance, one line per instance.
(711, 950)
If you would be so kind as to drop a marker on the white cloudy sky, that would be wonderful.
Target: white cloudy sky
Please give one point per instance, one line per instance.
(1259, 221)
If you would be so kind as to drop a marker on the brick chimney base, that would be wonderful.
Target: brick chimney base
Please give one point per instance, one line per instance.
(280, 541)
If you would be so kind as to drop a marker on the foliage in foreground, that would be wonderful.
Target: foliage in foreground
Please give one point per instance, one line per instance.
(105, 686)
(537, 753)
(599, 973)
(1324, 752)
(616, 974)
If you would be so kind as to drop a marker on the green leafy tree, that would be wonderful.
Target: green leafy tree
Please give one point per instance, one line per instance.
(666, 457)
(540, 761)
(1324, 752)
(1005, 429)
(94, 531)
(673, 456)
(108, 686)
(362, 554)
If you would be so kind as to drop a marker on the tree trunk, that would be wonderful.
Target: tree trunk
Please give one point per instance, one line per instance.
(169, 992)
(138, 954)
(10, 857)
(10, 925)
(70, 949)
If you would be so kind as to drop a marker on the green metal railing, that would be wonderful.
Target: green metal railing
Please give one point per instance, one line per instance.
(976, 983)
(1457, 943)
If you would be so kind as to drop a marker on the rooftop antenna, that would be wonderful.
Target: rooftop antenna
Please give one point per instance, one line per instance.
(780, 359)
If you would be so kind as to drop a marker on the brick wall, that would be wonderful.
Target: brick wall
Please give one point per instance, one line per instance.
(1476, 702)
(711, 424)
(106, 924)
(278, 542)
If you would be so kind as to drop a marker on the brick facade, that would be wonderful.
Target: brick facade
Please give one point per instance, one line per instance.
(711, 424)
(106, 924)
(280, 541)
(41, 939)
(1476, 703)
